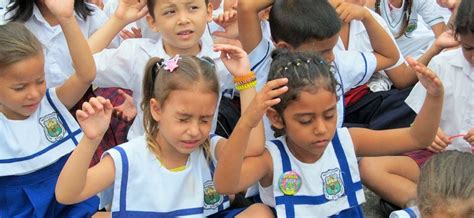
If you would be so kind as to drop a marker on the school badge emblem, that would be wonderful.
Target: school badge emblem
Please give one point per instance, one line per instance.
(290, 183)
(212, 199)
(412, 25)
(52, 126)
(333, 187)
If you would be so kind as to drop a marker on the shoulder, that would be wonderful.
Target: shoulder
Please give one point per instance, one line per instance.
(452, 58)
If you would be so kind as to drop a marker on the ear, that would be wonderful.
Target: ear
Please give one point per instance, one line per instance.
(283, 44)
(275, 119)
(155, 109)
(209, 12)
(151, 23)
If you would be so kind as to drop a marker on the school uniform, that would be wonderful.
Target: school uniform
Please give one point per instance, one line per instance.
(458, 80)
(417, 37)
(351, 70)
(410, 212)
(58, 62)
(375, 105)
(32, 155)
(330, 186)
(157, 191)
(125, 67)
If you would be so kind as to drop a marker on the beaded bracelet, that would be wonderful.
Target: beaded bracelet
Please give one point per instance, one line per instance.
(245, 82)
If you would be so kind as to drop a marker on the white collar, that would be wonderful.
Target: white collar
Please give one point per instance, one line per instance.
(458, 60)
(206, 49)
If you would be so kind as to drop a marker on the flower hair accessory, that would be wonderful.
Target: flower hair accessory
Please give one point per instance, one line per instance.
(172, 63)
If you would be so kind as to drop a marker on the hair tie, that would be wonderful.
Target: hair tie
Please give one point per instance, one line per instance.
(172, 63)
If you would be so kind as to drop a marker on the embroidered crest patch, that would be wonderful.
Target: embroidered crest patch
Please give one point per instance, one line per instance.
(333, 186)
(212, 199)
(412, 25)
(52, 126)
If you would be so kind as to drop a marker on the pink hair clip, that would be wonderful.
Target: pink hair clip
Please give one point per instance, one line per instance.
(172, 63)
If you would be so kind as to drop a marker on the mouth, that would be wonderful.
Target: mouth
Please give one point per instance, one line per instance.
(185, 34)
(190, 144)
(31, 106)
(320, 143)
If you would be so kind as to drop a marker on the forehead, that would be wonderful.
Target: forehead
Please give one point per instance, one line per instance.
(165, 3)
(193, 101)
(312, 102)
(30, 68)
(315, 45)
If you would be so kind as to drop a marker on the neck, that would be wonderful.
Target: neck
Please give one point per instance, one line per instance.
(172, 51)
(48, 16)
(396, 3)
(301, 154)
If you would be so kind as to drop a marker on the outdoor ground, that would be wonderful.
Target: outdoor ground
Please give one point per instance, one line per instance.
(371, 206)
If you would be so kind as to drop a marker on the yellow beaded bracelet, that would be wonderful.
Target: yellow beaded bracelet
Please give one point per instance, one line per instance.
(246, 85)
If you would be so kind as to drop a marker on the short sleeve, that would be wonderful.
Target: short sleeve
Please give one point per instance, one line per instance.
(353, 68)
(213, 140)
(260, 60)
(430, 12)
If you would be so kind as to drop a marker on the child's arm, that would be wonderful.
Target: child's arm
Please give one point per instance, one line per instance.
(128, 11)
(249, 22)
(236, 61)
(77, 182)
(419, 135)
(404, 76)
(77, 84)
(385, 53)
(235, 172)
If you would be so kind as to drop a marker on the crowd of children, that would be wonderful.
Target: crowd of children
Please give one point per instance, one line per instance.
(236, 108)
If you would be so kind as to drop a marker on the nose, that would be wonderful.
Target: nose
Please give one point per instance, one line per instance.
(319, 127)
(183, 18)
(34, 93)
(193, 129)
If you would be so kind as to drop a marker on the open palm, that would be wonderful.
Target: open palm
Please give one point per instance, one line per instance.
(131, 10)
(427, 78)
(235, 59)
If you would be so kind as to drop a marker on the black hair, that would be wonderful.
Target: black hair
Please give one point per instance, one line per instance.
(298, 21)
(465, 18)
(406, 15)
(306, 71)
(23, 9)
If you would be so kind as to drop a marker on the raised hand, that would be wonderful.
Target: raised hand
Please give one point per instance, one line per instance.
(440, 142)
(94, 117)
(446, 40)
(427, 78)
(131, 10)
(135, 33)
(234, 58)
(228, 21)
(264, 99)
(61, 9)
(127, 110)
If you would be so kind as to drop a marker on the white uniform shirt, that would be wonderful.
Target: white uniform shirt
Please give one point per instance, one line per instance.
(58, 62)
(410, 212)
(143, 186)
(413, 43)
(359, 41)
(38, 141)
(124, 67)
(352, 69)
(457, 76)
(328, 186)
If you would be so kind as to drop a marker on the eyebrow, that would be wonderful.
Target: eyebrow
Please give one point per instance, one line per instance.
(186, 115)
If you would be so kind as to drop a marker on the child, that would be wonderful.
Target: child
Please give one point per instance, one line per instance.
(37, 132)
(395, 178)
(180, 98)
(307, 25)
(181, 24)
(312, 168)
(402, 18)
(445, 188)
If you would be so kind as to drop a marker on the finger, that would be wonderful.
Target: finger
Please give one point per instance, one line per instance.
(108, 105)
(81, 115)
(443, 137)
(277, 92)
(439, 143)
(272, 102)
(87, 108)
(275, 84)
(429, 148)
(143, 11)
(437, 147)
(95, 102)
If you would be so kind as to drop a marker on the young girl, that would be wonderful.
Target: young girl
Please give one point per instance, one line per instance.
(402, 18)
(180, 98)
(394, 178)
(312, 168)
(37, 132)
(445, 188)
(182, 26)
